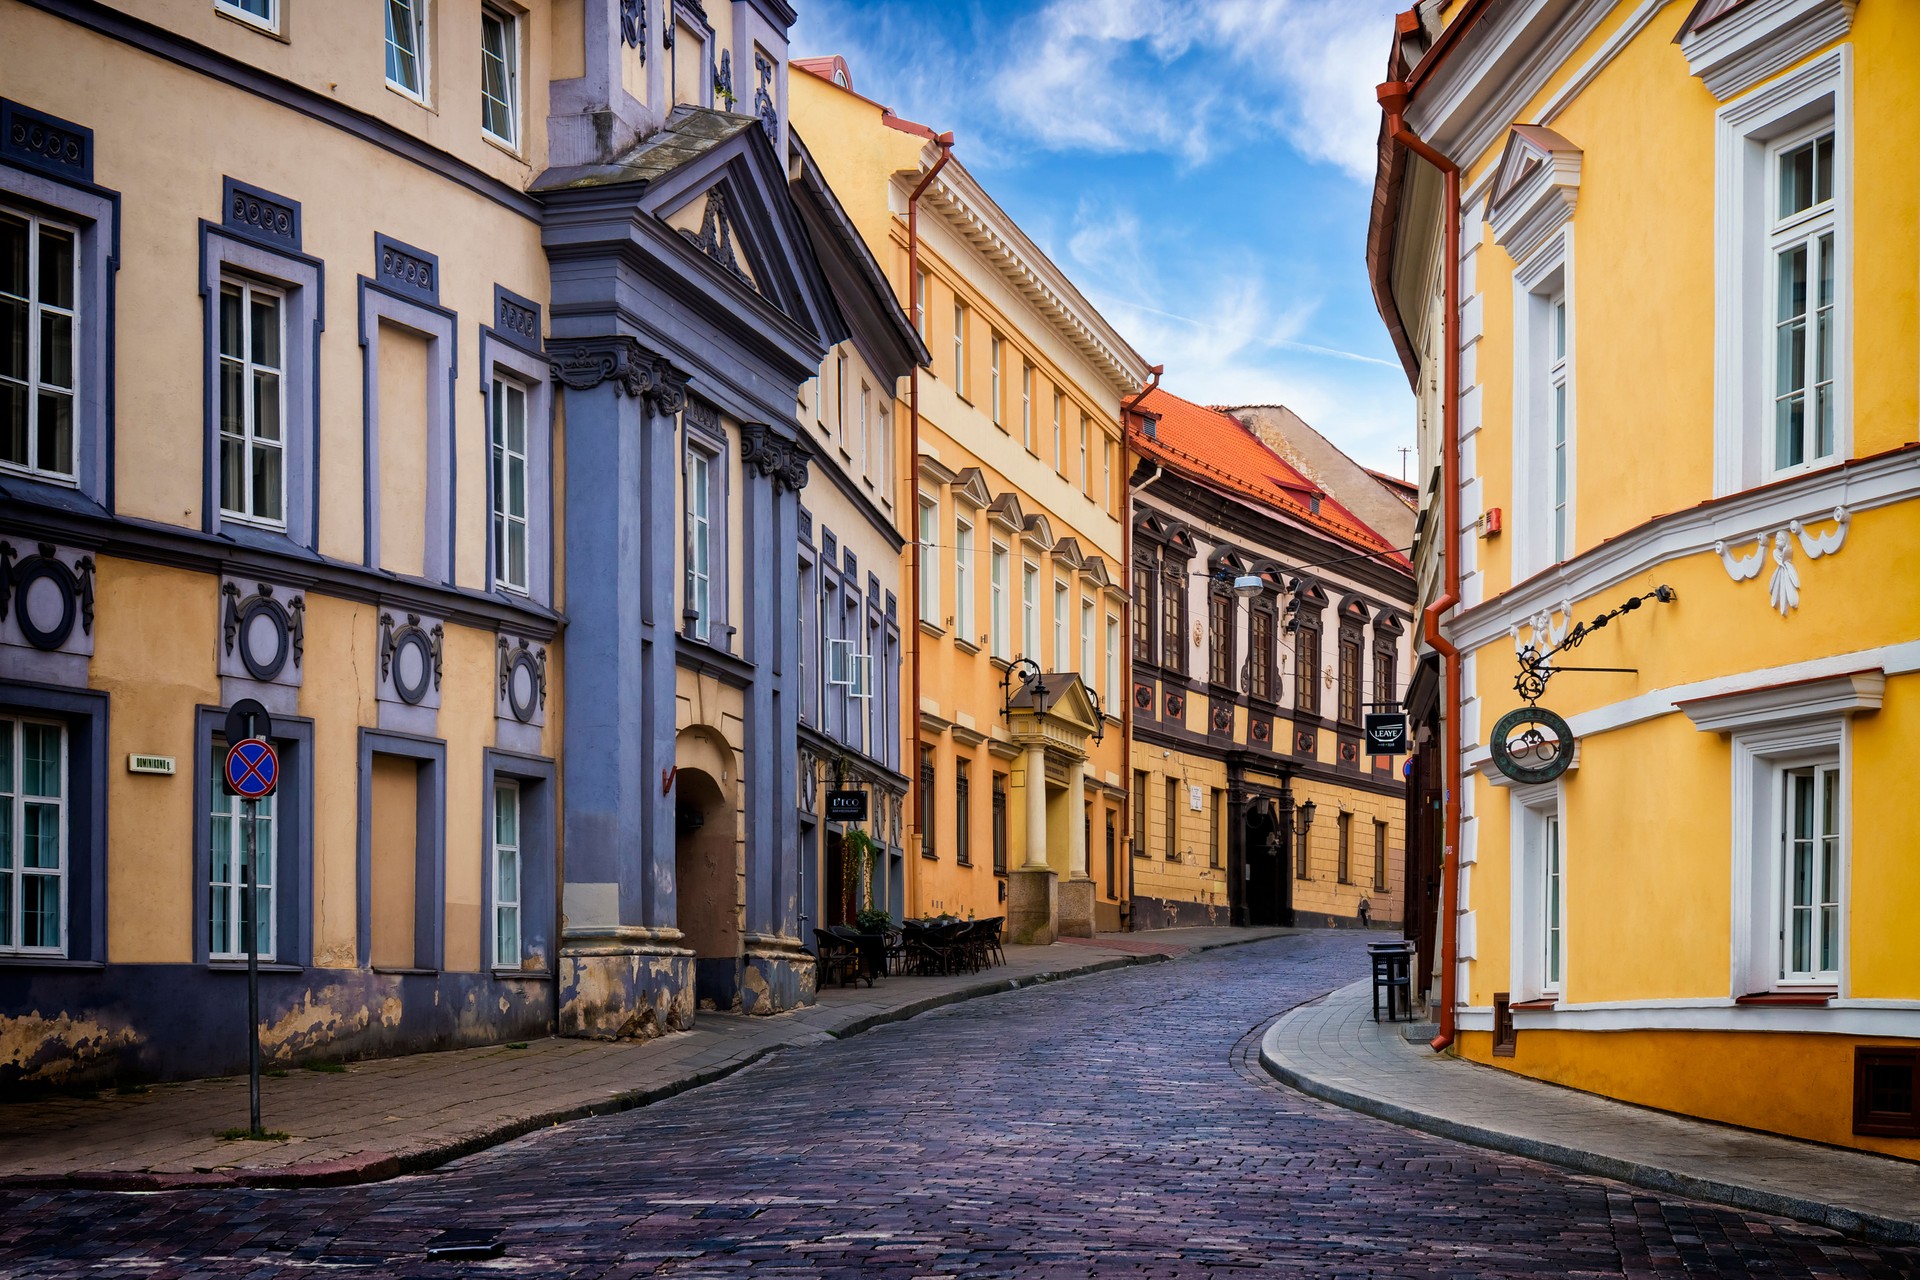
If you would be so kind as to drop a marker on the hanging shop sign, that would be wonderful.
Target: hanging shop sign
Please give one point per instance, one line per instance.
(1532, 744)
(1386, 733)
(846, 806)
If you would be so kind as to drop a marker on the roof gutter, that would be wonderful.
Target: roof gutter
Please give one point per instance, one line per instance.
(1126, 612)
(1393, 97)
(911, 509)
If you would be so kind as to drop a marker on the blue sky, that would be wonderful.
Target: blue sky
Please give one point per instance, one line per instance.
(1201, 168)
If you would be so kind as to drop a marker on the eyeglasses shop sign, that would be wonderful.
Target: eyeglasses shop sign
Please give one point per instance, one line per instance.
(1386, 733)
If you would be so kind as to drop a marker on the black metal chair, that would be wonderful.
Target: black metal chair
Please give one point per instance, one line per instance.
(1393, 978)
(837, 959)
(871, 946)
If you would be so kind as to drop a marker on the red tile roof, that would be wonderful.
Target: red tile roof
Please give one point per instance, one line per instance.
(1214, 449)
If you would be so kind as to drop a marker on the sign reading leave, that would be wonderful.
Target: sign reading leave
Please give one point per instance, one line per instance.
(1386, 733)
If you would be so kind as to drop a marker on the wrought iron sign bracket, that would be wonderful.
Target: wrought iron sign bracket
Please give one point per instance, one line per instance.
(1537, 666)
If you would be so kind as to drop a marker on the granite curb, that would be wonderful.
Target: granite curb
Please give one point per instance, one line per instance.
(379, 1166)
(1844, 1218)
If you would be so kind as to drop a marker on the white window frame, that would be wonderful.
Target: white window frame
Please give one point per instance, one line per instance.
(1059, 440)
(930, 560)
(36, 309)
(996, 357)
(231, 810)
(417, 16)
(960, 348)
(699, 508)
(1747, 131)
(866, 438)
(1804, 230)
(1087, 657)
(840, 401)
(250, 418)
(236, 9)
(1110, 691)
(1026, 402)
(1825, 892)
(1086, 442)
(1030, 610)
(510, 59)
(1761, 759)
(963, 554)
(920, 305)
(501, 456)
(1540, 284)
(503, 902)
(13, 795)
(999, 566)
(841, 661)
(1536, 813)
(1062, 624)
(1106, 472)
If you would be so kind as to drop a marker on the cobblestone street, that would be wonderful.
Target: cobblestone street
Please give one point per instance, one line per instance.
(1117, 1124)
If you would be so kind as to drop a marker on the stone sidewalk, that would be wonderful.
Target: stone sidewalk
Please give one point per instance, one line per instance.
(386, 1116)
(1333, 1050)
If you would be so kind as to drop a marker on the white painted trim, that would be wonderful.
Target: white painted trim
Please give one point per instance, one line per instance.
(1757, 876)
(1743, 333)
(1859, 486)
(1527, 813)
(1538, 205)
(1547, 274)
(1754, 41)
(1798, 700)
(1622, 36)
(1490, 773)
(1892, 1018)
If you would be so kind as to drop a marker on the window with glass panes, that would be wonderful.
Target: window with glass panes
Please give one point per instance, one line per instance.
(499, 75)
(1143, 612)
(1557, 410)
(1088, 672)
(929, 780)
(1220, 638)
(509, 485)
(997, 588)
(232, 867)
(1026, 403)
(1349, 678)
(993, 389)
(1110, 689)
(930, 561)
(1059, 456)
(1810, 862)
(1801, 248)
(1306, 670)
(962, 826)
(1030, 610)
(960, 349)
(1553, 925)
(1260, 651)
(1379, 854)
(1000, 823)
(253, 447)
(406, 27)
(699, 543)
(1086, 442)
(506, 874)
(261, 13)
(39, 285)
(1062, 624)
(963, 581)
(1173, 604)
(1140, 801)
(33, 837)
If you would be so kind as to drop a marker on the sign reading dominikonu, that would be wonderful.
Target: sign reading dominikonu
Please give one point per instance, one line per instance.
(846, 806)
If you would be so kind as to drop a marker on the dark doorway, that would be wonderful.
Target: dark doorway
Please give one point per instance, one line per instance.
(1269, 882)
(707, 885)
(840, 899)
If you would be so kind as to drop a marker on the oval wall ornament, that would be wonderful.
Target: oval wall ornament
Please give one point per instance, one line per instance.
(1532, 745)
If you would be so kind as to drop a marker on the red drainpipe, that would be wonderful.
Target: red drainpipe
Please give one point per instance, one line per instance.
(1126, 622)
(945, 143)
(1393, 97)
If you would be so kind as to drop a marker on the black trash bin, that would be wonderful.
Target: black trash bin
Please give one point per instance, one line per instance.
(1393, 979)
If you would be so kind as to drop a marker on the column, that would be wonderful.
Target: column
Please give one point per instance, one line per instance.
(1032, 898)
(1076, 892)
(1036, 798)
(622, 972)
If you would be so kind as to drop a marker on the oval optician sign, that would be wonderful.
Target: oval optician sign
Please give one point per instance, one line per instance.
(253, 769)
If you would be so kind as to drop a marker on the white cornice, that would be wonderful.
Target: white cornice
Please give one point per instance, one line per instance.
(1841, 695)
(1539, 203)
(970, 212)
(1738, 51)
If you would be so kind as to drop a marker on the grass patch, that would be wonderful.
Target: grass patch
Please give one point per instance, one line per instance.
(516, 1044)
(328, 1068)
(241, 1132)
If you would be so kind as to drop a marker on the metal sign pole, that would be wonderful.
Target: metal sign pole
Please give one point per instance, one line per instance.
(250, 912)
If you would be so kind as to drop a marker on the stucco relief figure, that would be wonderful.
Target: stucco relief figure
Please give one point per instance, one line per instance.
(1783, 588)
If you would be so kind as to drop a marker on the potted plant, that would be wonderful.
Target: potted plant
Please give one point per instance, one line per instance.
(865, 851)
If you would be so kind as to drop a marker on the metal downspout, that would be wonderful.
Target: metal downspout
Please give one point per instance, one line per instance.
(1393, 97)
(1126, 618)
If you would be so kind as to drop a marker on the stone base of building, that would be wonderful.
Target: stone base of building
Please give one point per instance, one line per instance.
(1177, 913)
(779, 974)
(620, 989)
(1076, 908)
(1033, 907)
(1326, 920)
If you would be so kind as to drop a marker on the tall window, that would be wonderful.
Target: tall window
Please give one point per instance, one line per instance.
(33, 837)
(930, 561)
(230, 867)
(509, 485)
(1140, 802)
(506, 874)
(1086, 438)
(1220, 638)
(1087, 669)
(1214, 800)
(993, 388)
(1260, 652)
(406, 39)
(963, 582)
(39, 283)
(1557, 412)
(1106, 473)
(1173, 618)
(1801, 245)
(1552, 915)
(840, 397)
(997, 588)
(960, 348)
(1030, 610)
(920, 303)
(252, 404)
(500, 75)
(1345, 866)
(1386, 675)
(699, 544)
(1026, 403)
(929, 779)
(962, 835)
(1000, 824)
(1111, 689)
(1173, 819)
(1059, 452)
(1142, 613)
(1810, 858)
(1379, 854)
(1062, 624)
(1306, 670)
(1349, 679)
(866, 440)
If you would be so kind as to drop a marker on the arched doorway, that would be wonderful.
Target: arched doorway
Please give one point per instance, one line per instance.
(707, 886)
(1269, 877)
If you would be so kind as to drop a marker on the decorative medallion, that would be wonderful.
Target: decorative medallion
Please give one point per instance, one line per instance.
(1305, 742)
(1783, 587)
(1349, 752)
(262, 631)
(1260, 730)
(523, 679)
(410, 657)
(47, 595)
(1221, 716)
(1175, 705)
(1143, 698)
(1532, 744)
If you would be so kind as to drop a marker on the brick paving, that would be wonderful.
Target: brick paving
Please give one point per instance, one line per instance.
(1334, 1050)
(1115, 1125)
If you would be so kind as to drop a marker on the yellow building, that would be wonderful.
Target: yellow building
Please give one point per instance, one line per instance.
(1268, 619)
(1018, 804)
(1674, 348)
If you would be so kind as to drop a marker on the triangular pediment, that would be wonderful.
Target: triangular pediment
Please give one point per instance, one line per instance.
(1067, 553)
(970, 487)
(1038, 533)
(1006, 512)
(1093, 571)
(1535, 187)
(707, 223)
(1062, 696)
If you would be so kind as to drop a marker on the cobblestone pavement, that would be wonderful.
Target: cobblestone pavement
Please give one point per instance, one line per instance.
(1116, 1125)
